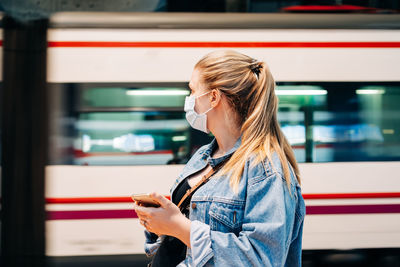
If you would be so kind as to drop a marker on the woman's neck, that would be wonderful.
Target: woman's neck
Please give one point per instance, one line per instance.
(226, 141)
(224, 126)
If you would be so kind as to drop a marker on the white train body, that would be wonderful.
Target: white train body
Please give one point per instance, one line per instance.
(349, 204)
(327, 226)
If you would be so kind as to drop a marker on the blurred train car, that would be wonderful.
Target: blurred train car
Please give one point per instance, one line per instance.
(118, 83)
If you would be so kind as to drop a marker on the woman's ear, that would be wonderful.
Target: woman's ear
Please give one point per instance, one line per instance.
(215, 97)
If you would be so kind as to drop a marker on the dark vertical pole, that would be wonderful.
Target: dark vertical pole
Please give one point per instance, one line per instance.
(308, 125)
(24, 142)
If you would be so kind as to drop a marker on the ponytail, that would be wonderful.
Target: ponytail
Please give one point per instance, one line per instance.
(250, 87)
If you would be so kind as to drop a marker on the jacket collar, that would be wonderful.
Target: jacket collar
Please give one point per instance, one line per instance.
(212, 147)
(206, 158)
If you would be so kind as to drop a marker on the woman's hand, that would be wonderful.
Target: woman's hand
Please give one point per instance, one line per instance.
(164, 220)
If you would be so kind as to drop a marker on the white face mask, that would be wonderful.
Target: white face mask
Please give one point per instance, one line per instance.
(197, 121)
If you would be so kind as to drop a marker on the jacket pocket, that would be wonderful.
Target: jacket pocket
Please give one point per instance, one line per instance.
(226, 217)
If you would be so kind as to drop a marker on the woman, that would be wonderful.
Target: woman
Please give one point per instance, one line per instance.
(251, 212)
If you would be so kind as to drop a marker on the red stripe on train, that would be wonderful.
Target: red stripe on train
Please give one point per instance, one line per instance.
(83, 200)
(103, 44)
(310, 210)
(92, 200)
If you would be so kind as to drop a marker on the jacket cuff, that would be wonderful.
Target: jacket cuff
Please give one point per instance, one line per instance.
(200, 242)
(152, 243)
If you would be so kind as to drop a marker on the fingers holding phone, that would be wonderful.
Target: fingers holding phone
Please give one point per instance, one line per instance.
(163, 220)
(145, 200)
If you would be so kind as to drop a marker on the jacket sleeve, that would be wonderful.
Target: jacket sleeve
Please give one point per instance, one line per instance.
(152, 243)
(265, 234)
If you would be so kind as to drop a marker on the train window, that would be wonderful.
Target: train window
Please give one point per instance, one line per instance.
(342, 121)
(138, 138)
(127, 125)
(295, 106)
(133, 97)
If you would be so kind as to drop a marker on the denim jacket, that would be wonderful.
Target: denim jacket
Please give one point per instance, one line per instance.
(261, 225)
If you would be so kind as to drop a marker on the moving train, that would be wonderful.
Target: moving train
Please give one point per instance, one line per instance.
(117, 84)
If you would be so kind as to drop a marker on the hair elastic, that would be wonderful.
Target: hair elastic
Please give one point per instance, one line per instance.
(255, 67)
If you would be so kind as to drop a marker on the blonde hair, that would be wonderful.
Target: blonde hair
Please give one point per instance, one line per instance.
(250, 89)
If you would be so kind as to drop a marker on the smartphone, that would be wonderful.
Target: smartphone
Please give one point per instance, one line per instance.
(145, 200)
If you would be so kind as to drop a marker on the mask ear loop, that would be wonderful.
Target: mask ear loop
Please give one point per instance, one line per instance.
(201, 96)
(208, 110)
(205, 94)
